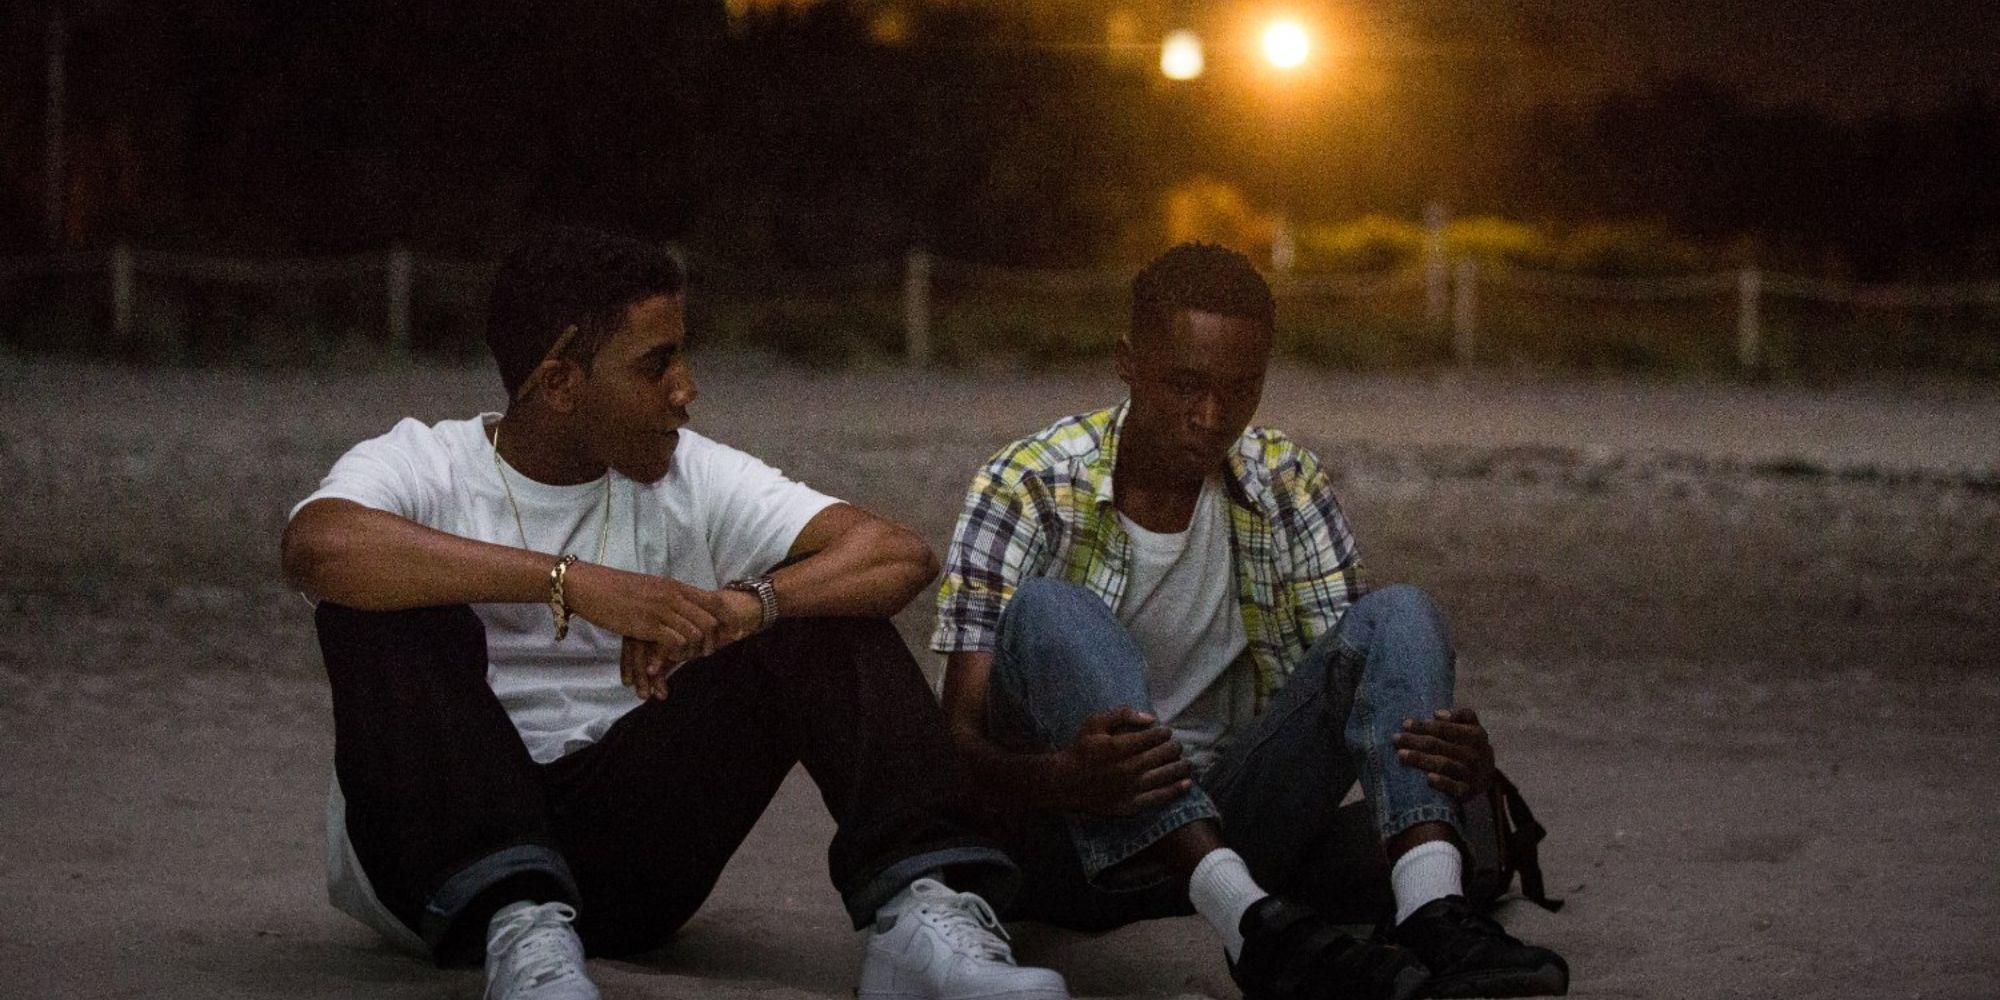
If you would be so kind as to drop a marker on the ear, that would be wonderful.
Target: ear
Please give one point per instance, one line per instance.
(559, 384)
(1124, 356)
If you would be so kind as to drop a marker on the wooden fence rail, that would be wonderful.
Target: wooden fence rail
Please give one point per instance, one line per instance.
(1450, 288)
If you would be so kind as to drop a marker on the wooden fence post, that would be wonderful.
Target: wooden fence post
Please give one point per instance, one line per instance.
(1465, 312)
(122, 325)
(1437, 274)
(917, 307)
(1284, 245)
(1749, 322)
(401, 271)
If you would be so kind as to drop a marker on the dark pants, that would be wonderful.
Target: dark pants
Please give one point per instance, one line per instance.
(450, 817)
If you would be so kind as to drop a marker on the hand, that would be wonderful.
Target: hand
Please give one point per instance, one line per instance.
(741, 614)
(1451, 748)
(644, 667)
(1123, 761)
(683, 621)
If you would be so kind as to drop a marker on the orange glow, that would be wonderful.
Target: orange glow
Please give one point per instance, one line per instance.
(1286, 44)
(1181, 57)
(889, 27)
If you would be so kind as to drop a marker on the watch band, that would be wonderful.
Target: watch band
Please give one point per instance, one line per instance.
(766, 593)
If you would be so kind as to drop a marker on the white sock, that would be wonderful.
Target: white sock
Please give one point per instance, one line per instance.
(1431, 870)
(1221, 889)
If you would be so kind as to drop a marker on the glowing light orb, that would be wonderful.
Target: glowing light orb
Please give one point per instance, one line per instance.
(1180, 56)
(1286, 44)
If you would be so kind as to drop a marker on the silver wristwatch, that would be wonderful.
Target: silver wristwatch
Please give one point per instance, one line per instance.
(767, 597)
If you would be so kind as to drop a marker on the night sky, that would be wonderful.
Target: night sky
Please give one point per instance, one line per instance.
(1848, 57)
(437, 121)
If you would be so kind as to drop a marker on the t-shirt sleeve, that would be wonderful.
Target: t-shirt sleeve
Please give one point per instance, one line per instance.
(404, 472)
(752, 512)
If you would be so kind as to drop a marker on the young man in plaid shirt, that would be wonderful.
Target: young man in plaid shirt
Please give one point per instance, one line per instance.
(1164, 690)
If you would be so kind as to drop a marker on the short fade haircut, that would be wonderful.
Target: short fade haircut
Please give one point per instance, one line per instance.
(1197, 277)
(564, 277)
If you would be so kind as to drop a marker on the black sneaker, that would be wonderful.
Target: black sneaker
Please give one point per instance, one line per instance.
(1290, 952)
(1470, 956)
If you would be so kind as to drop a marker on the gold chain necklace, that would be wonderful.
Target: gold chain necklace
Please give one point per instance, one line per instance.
(603, 530)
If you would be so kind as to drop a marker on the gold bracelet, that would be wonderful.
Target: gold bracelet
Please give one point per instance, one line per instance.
(559, 604)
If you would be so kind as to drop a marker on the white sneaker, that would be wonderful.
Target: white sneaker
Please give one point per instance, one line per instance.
(532, 953)
(931, 943)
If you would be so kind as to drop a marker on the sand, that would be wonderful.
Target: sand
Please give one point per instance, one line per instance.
(1737, 643)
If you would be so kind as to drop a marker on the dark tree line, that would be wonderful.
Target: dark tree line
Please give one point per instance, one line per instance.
(1915, 195)
(796, 139)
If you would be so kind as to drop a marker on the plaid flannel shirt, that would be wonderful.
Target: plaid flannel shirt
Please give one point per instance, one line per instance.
(1043, 507)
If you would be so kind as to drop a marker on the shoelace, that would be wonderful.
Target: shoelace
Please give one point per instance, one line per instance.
(971, 926)
(538, 938)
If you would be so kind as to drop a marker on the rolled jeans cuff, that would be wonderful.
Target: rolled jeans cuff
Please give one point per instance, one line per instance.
(1102, 844)
(979, 868)
(465, 885)
(1430, 813)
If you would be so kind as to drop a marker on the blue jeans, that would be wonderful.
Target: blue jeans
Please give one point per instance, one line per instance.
(1276, 790)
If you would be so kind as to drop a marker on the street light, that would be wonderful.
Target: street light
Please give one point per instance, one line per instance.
(1180, 56)
(1286, 44)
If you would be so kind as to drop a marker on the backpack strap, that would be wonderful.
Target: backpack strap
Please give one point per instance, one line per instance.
(1522, 833)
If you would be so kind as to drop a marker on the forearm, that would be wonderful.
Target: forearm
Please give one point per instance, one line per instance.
(872, 570)
(1013, 781)
(1007, 779)
(373, 560)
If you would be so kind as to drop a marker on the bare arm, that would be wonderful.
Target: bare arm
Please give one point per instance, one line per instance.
(355, 555)
(341, 551)
(854, 564)
(344, 552)
(1011, 781)
(1121, 762)
(860, 564)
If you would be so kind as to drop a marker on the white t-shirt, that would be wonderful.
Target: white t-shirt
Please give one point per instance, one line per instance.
(717, 515)
(1180, 606)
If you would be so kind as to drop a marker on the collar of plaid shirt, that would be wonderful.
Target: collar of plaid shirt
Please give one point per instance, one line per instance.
(1243, 488)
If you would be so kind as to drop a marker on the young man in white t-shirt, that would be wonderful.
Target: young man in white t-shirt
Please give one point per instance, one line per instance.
(574, 649)
(1162, 653)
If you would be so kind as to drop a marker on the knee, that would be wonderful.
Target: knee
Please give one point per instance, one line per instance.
(1046, 599)
(1047, 610)
(1043, 617)
(1400, 603)
(351, 637)
(857, 641)
(1408, 621)
(455, 620)
(1060, 644)
(820, 632)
